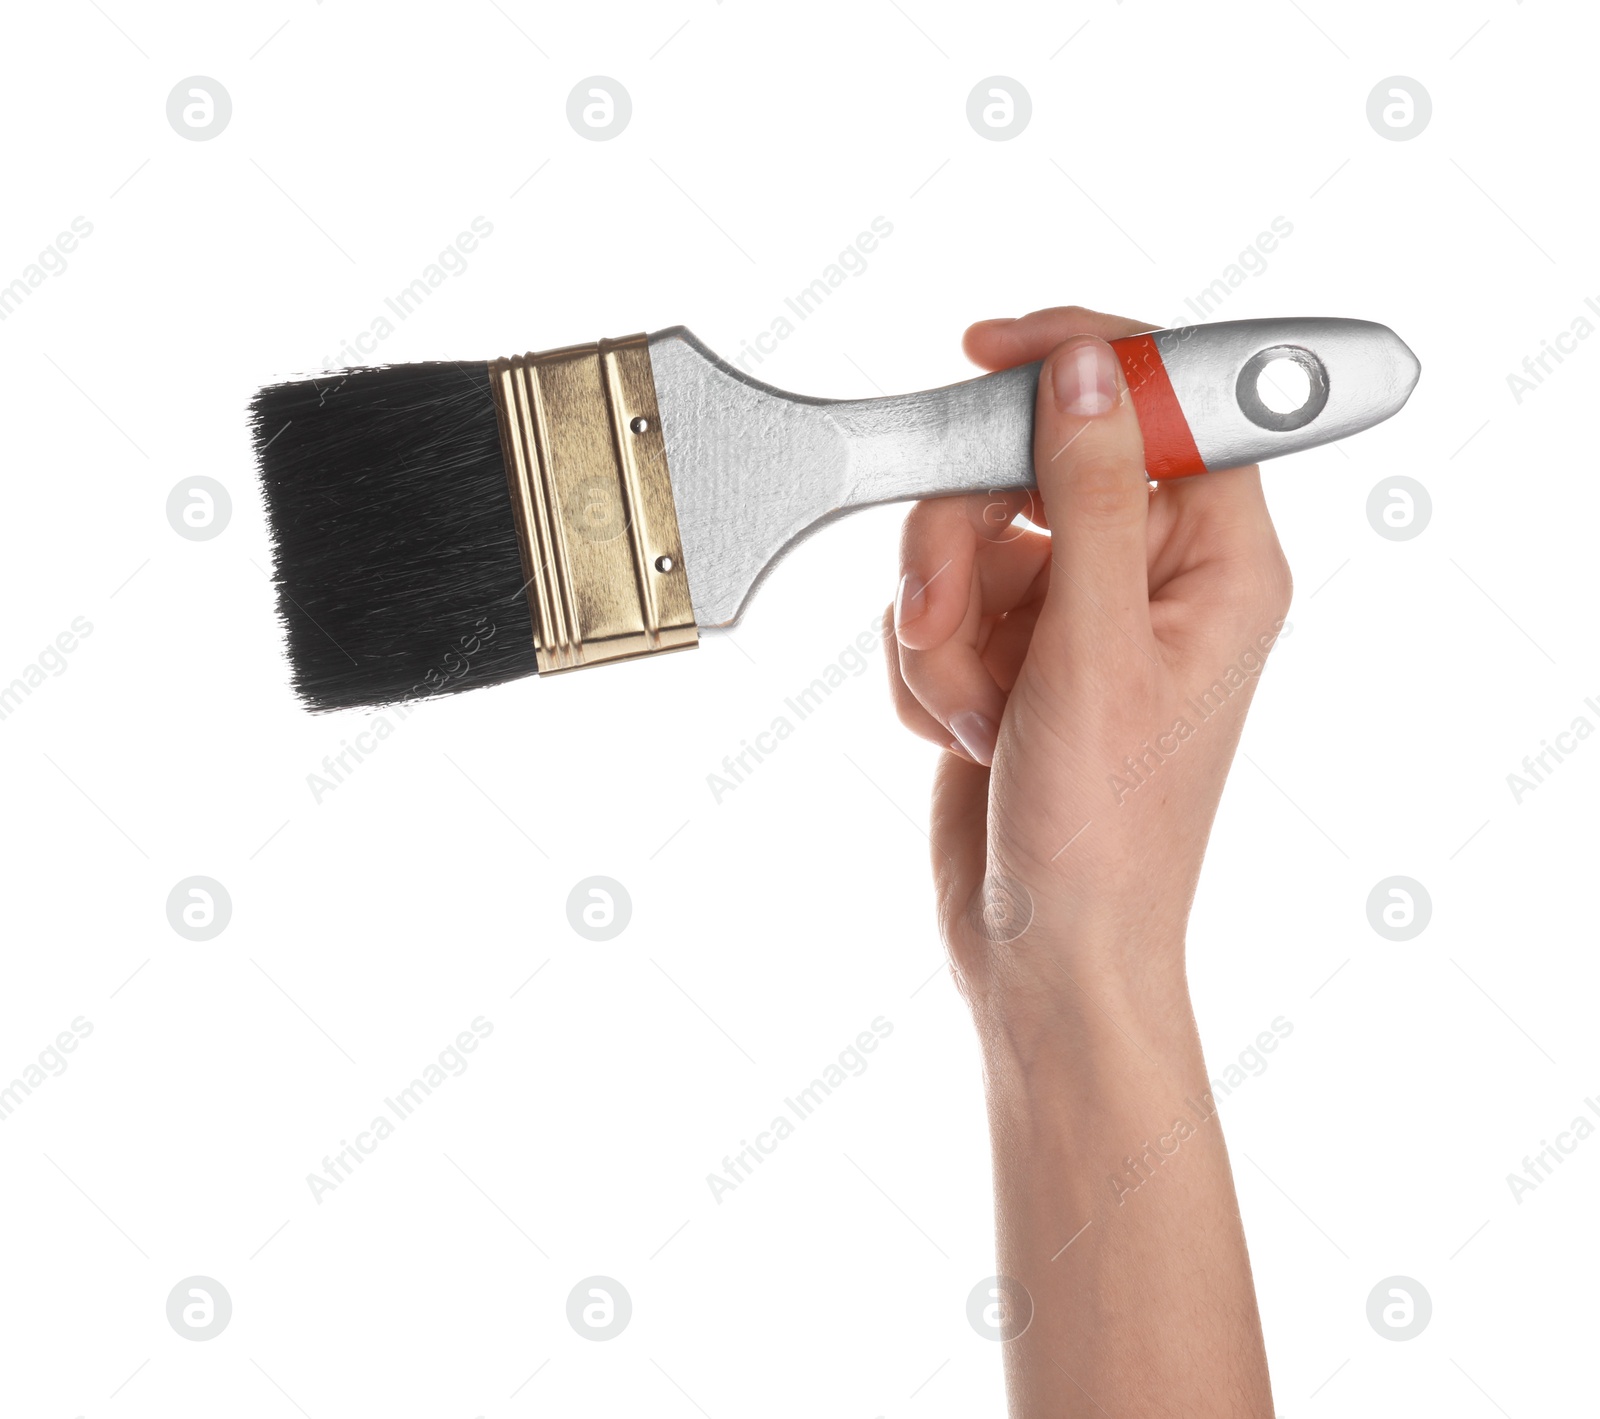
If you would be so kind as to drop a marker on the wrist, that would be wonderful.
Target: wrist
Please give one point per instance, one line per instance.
(1044, 1011)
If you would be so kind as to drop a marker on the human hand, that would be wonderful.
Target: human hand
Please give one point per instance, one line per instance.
(1090, 685)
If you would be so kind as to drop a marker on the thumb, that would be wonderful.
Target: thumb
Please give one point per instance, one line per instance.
(1089, 461)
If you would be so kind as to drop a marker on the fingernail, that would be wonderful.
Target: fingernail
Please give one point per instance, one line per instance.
(1085, 379)
(910, 600)
(976, 734)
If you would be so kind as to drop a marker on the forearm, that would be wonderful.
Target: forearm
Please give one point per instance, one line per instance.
(1116, 1207)
(1091, 685)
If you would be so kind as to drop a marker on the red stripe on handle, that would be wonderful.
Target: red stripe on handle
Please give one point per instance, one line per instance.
(1169, 446)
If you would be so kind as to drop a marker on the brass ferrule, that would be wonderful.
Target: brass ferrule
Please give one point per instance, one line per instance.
(587, 470)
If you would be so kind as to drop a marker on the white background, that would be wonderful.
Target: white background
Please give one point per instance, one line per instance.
(767, 930)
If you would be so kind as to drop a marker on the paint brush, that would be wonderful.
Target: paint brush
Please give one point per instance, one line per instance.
(442, 526)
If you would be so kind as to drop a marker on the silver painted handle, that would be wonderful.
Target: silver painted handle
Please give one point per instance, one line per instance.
(964, 438)
(754, 468)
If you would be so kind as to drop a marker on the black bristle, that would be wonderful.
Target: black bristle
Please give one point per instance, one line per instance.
(398, 568)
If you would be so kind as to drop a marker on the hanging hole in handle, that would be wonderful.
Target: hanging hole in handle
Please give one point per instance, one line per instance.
(1282, 388)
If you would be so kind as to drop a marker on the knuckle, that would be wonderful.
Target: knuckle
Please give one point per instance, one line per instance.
(1261, 588)
(926, 519)
(1278, 583)
(908, 712)
(914, 716)
(1077, 314)
(891, 657)
(908, 708)
(915, 520)
(936, 531)
(1268, 583)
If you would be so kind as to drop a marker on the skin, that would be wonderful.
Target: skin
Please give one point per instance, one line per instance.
(1064, 873)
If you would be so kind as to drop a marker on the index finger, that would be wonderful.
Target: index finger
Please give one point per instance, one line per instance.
(1000, 344)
